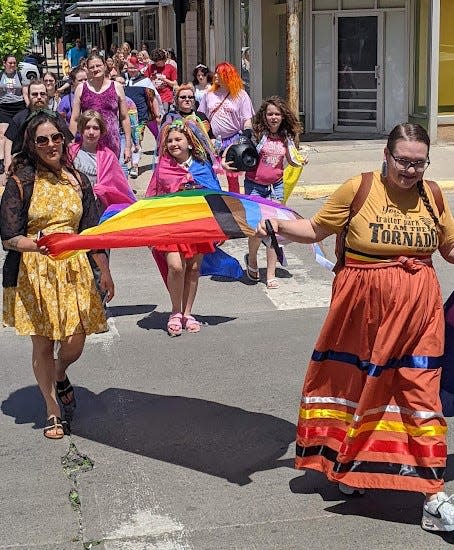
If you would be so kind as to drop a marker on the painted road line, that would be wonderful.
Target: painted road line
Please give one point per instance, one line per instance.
(302, 290)
(317, 191)
(105, 339)
(162, 531)
(301, 283)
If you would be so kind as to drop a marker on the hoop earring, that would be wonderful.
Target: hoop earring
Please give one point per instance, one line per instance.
(190, 147)
(384, 168)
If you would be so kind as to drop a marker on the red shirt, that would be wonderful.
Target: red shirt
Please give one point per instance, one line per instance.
(165, 91)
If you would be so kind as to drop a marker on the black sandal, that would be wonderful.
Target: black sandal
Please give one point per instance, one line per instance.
(54, 423)
(64, 388)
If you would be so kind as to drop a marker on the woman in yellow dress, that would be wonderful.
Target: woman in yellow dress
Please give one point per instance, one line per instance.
(51, 301)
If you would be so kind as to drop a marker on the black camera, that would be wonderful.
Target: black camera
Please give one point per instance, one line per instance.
(243, 155)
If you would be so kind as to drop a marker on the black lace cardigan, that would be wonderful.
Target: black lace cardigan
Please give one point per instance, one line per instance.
(14, 207)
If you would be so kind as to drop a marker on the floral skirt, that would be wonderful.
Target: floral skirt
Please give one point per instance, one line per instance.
(55, 299)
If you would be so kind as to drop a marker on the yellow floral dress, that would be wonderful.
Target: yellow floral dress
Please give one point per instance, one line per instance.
(55, 299)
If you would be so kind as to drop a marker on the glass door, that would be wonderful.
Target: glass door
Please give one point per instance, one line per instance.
(359, 66)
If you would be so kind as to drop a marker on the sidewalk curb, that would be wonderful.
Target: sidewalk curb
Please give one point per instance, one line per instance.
(315, 191)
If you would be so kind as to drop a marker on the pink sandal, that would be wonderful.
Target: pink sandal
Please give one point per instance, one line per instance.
(191, 324)
(174, 325)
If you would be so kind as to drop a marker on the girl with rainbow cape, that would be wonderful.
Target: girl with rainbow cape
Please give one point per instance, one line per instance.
(184, 163)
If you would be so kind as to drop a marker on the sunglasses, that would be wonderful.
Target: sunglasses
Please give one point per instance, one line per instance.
(38, 94)
(185, 97)
(56, 139)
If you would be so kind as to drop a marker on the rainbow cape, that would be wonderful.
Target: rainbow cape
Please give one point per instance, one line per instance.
(186, 217)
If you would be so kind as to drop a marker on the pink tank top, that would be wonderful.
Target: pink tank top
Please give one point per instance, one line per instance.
(105, 103)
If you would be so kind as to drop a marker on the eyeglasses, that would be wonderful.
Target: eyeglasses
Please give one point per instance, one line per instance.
(51, 80)
(405, 164)
(56, 139)
(38, 94)
(185, 97)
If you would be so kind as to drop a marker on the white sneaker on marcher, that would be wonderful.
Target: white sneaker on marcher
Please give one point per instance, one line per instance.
(347, 490)
(133, 173)
(438, 513)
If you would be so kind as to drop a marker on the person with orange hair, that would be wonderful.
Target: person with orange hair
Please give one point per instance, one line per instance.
(229, 110)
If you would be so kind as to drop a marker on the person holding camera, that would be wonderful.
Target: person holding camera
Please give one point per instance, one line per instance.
(275, 127)
(229, 110)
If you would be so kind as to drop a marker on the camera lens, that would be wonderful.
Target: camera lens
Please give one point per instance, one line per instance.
(248, 160)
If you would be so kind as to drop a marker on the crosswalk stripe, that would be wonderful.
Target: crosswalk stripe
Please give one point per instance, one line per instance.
(300, 290)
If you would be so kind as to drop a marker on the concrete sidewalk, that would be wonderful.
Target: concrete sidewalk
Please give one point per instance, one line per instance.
(330, 164)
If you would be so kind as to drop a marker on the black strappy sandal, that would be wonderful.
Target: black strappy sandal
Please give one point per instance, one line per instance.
(64, 388)
(54, 423)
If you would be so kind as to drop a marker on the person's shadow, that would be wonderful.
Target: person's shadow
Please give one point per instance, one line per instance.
(394, 506)
(216, 439)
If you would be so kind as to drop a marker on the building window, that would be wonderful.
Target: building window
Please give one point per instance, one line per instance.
(446, 74)
(149, 29)
(422, 13)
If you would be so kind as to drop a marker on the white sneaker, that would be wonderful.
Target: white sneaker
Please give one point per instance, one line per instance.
(133, 173)
(438, 514)
(347, 490)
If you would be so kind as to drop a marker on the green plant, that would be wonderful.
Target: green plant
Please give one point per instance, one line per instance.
(15, 32)
(45, 18)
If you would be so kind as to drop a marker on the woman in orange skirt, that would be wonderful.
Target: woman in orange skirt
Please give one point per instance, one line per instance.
(370, 414)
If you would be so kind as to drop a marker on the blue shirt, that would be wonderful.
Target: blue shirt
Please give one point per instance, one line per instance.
(75, 55)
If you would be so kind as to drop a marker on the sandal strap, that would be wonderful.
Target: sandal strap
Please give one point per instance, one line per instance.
(252, 269)
(53, 423)
(175, 324)
(191, 321)
(64, 387)
(190, 318)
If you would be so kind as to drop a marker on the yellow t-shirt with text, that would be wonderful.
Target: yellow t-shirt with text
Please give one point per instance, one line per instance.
(390, 222)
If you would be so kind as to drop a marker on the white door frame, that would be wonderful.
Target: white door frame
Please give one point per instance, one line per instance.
(379, 72)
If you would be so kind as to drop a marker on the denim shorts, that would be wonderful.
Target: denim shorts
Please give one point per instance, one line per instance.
(273, 192)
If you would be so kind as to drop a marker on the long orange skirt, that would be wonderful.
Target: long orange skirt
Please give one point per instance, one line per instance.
(370, 414)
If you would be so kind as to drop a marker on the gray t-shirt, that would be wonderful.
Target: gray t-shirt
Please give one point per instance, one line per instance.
(85, 163)
(10, 89)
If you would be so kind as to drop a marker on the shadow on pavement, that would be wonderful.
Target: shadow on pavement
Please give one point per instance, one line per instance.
(123, 311)
(394, 506)
(209, 437)
(158, 320)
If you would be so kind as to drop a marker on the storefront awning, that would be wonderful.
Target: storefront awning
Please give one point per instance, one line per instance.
(76, 20)
(105, 9)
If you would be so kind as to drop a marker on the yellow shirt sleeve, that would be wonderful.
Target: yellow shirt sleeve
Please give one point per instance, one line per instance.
(334, 213)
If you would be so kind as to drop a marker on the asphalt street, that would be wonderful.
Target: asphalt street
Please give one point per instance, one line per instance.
(187, 443)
